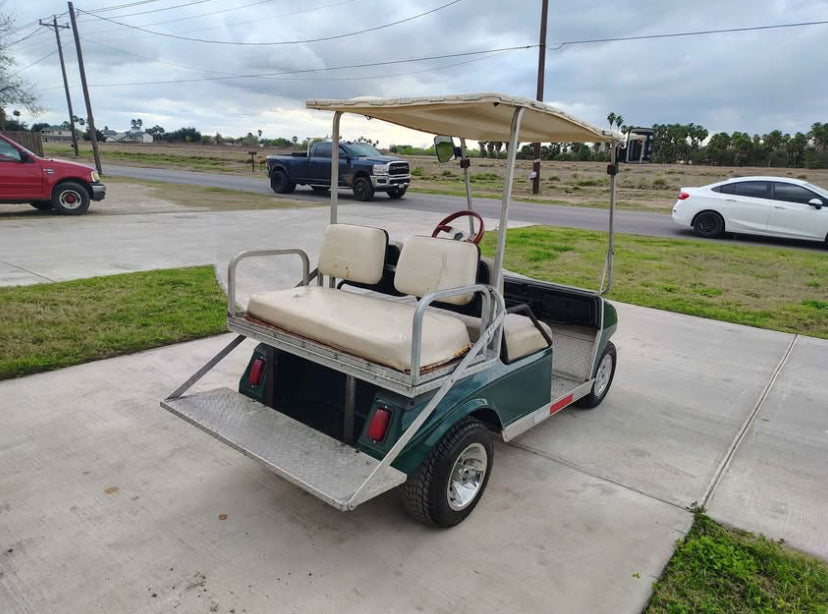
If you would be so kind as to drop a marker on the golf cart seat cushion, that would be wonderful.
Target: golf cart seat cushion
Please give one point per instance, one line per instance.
(427, 264)
(520, 336)
(374, 329)
(354, 253)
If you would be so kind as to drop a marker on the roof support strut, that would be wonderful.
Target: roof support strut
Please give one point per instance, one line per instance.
(335, 165)
(497, 277)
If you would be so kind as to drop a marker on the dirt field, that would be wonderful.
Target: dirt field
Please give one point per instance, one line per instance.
(647, 187)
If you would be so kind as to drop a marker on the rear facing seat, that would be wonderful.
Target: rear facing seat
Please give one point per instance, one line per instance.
(380, 330)
(369, 327)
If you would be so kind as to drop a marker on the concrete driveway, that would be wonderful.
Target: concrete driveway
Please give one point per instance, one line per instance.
(108, 503)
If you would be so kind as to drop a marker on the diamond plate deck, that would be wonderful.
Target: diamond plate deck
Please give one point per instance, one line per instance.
(321, 465)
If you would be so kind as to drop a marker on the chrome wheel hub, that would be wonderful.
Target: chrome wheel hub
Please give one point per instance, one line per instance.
(70, 199)
(466, 477)
(602, 377)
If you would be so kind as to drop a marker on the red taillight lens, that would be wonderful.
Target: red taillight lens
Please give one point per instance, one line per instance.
(379, 424)
(256, 372)
(684, 196)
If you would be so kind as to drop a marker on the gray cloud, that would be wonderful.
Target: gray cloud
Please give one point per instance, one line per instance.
(753, 81)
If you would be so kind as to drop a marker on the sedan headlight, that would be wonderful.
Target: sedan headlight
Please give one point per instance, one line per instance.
(380, 169)
(96, 176)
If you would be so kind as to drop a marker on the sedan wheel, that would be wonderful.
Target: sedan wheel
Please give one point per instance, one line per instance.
(709, 224)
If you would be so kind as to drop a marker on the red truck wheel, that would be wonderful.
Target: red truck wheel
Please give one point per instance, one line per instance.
(70, 198)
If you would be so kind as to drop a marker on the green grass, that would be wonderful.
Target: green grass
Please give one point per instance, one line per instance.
(49, 326)
(768, 287)
(716, 569)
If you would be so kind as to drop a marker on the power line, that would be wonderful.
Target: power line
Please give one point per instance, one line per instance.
(236, 76)
(121, 6)
(167, 8)
(691, 33)
(48, 55)
(293, 42)
(20, 40)
(232, 23)
(312, 70)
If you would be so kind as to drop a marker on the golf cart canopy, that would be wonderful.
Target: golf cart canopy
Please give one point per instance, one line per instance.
(479, 117)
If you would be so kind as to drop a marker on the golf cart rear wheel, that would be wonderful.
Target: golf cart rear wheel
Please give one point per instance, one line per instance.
(709, 224)
(449, 483)
(280, 182)
(42, 205)
(70, 198)
(603, 379)
(363, 190)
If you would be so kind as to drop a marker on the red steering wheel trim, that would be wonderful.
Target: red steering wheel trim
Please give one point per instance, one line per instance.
(444, 227)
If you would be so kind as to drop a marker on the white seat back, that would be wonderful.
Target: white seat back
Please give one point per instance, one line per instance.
(355, 253)
(427, 264)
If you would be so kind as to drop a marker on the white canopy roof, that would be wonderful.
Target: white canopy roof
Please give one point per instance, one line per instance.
(478, 117)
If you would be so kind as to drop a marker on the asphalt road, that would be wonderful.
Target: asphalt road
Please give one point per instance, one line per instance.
(631, 222)
(637, 222)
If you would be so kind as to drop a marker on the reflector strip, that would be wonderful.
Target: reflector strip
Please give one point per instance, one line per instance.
(555, 407)
(256, 372)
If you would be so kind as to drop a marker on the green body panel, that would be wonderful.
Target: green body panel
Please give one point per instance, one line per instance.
(499, 395)
(610, 326)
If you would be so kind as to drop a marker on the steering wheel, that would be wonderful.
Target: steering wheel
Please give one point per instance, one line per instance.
(459, 235)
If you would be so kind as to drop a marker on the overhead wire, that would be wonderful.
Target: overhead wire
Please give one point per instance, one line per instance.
(291, 42)
(20, 40)
(312, 70)
(169, 8)
(48, 55)
(259, 19)
(118, 7)
(682, 34)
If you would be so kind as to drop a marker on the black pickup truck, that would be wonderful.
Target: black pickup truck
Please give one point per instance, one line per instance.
(361, 168)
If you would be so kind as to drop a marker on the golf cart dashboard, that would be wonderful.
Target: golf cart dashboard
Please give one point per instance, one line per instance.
(552, 303)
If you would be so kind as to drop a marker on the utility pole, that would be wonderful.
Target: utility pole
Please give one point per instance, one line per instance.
(57, 30)
(89, 119)
(539, 97)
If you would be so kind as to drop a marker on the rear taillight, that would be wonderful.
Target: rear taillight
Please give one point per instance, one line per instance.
(379, 424)
(254, 378)
(683, 196)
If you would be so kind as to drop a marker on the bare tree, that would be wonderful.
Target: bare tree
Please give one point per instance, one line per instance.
(13, 89)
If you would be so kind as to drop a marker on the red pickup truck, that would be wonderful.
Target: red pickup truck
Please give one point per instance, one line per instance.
(66, 187)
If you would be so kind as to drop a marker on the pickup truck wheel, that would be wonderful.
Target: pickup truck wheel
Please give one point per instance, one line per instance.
(363, 190)
(448, 485)
(280, 182)
(603, 378)
(396, 194)
(70, 198)
(43, 205)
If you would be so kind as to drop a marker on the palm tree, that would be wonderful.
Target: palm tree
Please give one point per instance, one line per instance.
(618, 121)
(611, 119)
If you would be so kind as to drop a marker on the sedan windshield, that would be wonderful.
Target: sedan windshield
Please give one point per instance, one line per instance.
(362, 150)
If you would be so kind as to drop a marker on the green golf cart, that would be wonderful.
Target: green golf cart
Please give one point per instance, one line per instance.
(396, 365)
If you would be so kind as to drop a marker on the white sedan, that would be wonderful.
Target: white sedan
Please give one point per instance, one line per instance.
(769, 206)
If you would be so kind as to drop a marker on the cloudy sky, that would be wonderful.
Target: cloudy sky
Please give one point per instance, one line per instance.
(753, 81)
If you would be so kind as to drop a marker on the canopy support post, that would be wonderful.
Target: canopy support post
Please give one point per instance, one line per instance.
(464, 163)
(335, 165)
(612, 171)
(497, 276)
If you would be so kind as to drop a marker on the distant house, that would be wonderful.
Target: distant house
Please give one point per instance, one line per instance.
(55, 134)
(108, 133)
(130, 136)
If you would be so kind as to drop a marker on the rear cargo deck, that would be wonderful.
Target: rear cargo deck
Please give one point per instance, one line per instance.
(319, 464)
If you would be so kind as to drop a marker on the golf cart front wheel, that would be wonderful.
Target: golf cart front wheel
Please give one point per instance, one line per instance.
(449, 483)
(603, 379)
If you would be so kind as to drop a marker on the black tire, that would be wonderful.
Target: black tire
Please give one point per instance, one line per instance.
(280, 182)
(363, 190)
(397, 194)
(426, 493)
(601, 386)
(320, 189)
(70, 198)
(42, 205)
(709, 224)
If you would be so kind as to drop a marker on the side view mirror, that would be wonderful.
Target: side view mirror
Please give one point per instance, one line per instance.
(816, 203)
(444, 148)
